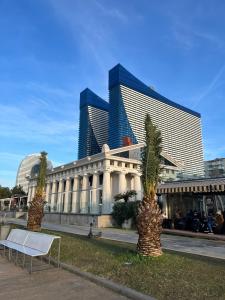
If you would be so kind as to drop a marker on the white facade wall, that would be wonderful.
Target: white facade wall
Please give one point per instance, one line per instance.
(88, 186)
(96, 180)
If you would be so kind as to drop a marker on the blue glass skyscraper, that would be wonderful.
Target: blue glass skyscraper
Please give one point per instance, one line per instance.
(130, 100)
(93, 126)
(121, 121)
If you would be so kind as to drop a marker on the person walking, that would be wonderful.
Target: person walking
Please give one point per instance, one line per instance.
(210, 222)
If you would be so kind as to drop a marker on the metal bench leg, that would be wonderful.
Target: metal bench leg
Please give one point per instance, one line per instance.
(24, 258)
(12, 255)
(16, 257)
(49, 257)
(31, 264)
(59, 253)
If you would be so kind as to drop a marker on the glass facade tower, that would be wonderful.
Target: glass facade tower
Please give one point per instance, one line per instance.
(130, 100)
(121, 121)
(93, 126)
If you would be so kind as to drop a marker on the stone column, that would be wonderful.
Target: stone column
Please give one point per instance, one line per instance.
(67, 195)
(106, 197)
(95, 194)
(47, 198)
(122, 182)
(53, 195)
(165, 206)
(75, 195)
(84, 195)
(33, 192)
(29, 197)
(60, 196)
(137, 186)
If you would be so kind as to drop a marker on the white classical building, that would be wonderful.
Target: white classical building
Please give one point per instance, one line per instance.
(88, 185)
(27, 168)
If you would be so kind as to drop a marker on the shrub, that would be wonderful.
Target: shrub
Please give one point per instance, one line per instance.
(125, 210)
(126, 196)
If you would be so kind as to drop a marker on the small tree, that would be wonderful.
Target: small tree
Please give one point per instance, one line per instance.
(149, 219)
(126, 196)
(18, 190)
(123, 211)
(5, 192)
(36, 209)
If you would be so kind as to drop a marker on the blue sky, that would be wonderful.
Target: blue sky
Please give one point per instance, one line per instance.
(50, 50)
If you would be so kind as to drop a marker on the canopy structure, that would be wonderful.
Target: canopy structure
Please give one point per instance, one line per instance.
(204, 185)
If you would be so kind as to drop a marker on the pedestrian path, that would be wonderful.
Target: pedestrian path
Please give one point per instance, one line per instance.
(16, 283)
(217, 237)
(198, 246)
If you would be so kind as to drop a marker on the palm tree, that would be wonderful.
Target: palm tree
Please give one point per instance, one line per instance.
(36, 208)
(149, 219)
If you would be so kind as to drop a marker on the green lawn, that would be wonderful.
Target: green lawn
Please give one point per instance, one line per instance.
(171, 276)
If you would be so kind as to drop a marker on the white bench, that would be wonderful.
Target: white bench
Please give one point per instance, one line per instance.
(29, 243)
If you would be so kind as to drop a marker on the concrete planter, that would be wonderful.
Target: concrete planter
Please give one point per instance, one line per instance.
(100, 221)
(4, 231)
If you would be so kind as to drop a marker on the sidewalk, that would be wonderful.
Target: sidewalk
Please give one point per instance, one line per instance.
(197, 245)
(216, 237)
(16, 283)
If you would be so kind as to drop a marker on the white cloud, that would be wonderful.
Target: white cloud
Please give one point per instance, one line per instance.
(188, 32)
(90, 29)
(18, 123)
(189, 37)
(210, 86)
(5, 156)
(112, 12)
(35, 86)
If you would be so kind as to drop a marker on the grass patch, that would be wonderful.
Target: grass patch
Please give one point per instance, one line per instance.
(171, 276)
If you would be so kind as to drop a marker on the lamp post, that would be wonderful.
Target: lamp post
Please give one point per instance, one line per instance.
(90, 234)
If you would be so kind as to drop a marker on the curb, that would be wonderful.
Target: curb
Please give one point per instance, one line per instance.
(118, 288)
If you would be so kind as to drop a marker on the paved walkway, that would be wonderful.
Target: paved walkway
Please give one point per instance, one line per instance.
(217, 237)
(199, 246)
(16, 283)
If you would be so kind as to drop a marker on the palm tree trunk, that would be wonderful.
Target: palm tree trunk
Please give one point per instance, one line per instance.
(35, 213)
(36, 209)
(149, 225)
